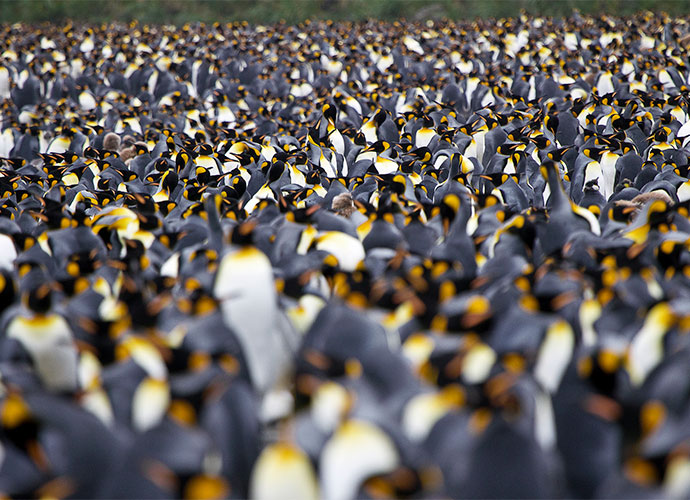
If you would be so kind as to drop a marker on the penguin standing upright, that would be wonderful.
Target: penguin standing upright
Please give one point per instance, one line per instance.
(45, 336)
(246, 291)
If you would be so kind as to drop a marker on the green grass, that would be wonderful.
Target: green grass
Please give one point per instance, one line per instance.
(269, 11)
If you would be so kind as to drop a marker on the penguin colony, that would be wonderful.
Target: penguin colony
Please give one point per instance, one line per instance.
(346, 260)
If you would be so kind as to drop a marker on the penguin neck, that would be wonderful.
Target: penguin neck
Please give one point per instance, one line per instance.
(454, 169)
(558, 200)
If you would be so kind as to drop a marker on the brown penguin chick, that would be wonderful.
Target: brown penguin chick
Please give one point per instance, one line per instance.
(684, 40)
(128, 149)
(659, 194)
(111, 142)
(641, 199)
(343, 205)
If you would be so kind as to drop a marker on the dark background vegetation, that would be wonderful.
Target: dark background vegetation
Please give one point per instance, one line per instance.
(269, 11)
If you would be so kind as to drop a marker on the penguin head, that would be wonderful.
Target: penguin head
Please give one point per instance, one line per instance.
(36, 290)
